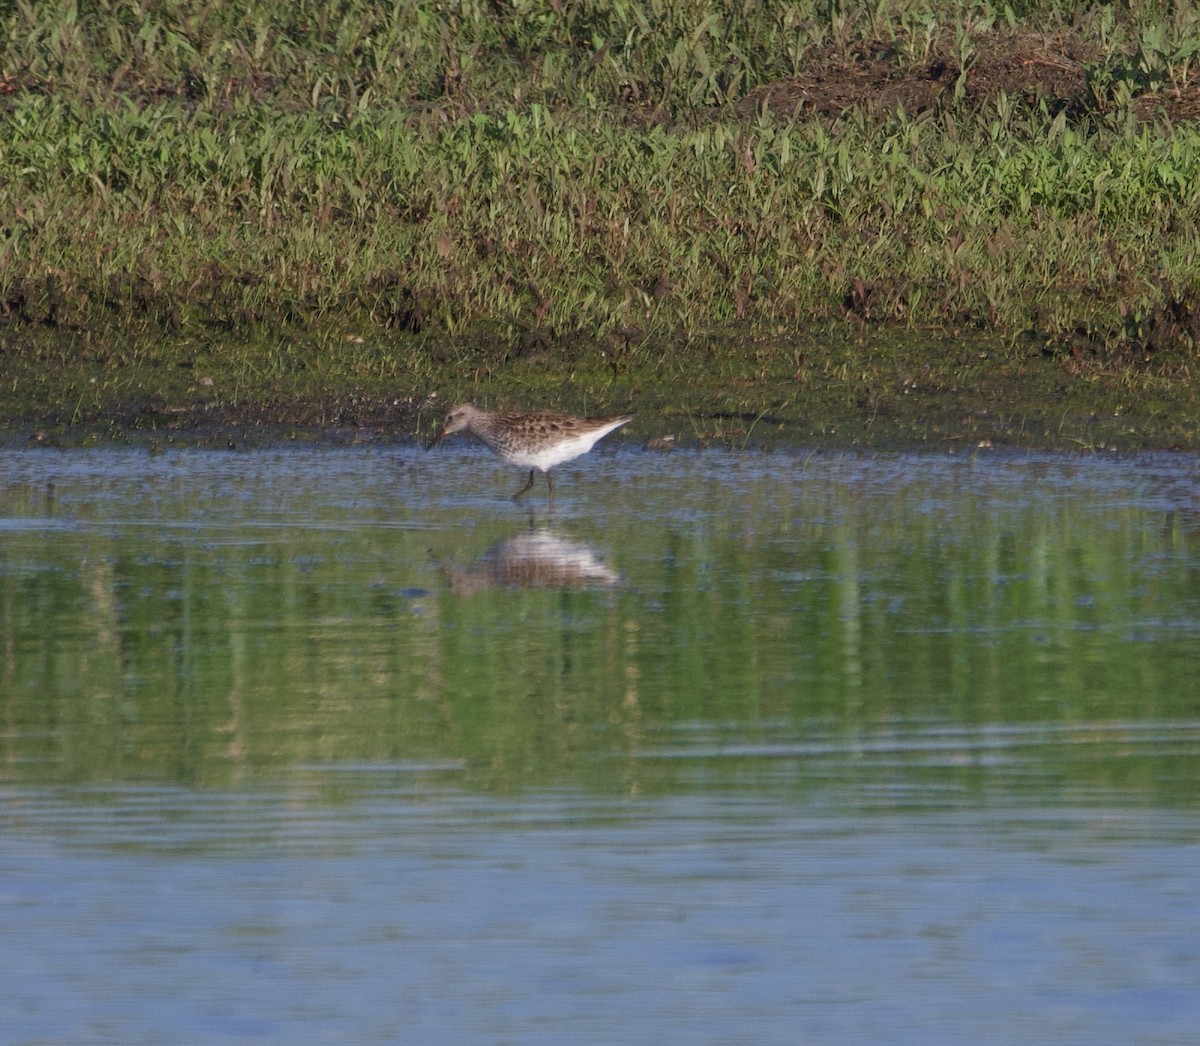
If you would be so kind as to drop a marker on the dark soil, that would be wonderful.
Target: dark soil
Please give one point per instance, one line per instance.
(1027, 67)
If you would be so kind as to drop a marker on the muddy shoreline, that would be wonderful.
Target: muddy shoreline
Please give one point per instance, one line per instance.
(875, 388)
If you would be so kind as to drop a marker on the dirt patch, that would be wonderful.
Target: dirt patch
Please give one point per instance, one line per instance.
(840, 82)
(1027, 67)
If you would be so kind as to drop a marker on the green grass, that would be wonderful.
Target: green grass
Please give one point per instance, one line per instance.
(549, 173)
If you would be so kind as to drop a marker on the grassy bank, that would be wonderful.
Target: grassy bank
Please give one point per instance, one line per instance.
(601, 173)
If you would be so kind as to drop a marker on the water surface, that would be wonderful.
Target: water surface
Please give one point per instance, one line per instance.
(340, 745)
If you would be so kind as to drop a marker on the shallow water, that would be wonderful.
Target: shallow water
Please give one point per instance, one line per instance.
(340, 745)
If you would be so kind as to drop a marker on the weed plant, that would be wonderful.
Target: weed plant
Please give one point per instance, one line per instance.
(594, 168)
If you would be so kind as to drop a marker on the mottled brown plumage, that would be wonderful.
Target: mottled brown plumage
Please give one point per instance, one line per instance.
(536, 440)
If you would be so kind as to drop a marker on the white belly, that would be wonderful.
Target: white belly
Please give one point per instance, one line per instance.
(555, 453)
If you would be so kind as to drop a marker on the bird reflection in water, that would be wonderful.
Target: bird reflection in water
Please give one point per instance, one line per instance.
(539, 559)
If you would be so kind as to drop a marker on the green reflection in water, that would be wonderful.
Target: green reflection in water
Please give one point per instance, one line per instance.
(901, 631)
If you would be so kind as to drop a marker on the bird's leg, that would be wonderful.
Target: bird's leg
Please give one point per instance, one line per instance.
(525, 489)
(550, 487)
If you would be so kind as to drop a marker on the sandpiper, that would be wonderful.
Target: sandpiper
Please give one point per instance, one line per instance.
(537, 440)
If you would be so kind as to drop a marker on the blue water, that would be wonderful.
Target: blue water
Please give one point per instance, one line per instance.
(163, 916)
(339, 746)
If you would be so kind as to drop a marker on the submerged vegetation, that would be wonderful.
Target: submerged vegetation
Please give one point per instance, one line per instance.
(600, 173)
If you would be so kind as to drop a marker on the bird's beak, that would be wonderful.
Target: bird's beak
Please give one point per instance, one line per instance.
(436, 439)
